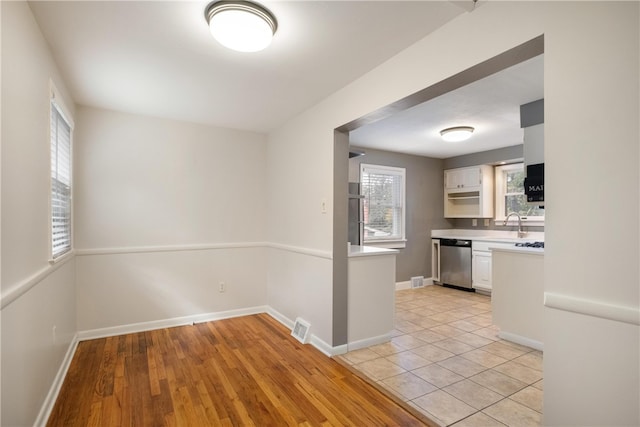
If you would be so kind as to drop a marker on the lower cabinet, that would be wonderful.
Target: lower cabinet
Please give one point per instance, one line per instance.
(481, 264)
(481, 271)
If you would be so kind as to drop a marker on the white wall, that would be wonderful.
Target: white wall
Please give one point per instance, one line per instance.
(591, 159)
(300, 274)
(591, 87)
(165, 210)
(35, 298)
(31, 354)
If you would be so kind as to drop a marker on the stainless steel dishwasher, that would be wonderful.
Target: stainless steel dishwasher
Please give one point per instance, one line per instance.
(455, 263)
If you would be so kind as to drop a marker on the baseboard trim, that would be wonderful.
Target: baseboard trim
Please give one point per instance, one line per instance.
(54, 390)
(168, 323)
(327, 349)
(288, 323)
(381, 339)
(201, 318)
(521, 340)
(318, 343)
(428, 281)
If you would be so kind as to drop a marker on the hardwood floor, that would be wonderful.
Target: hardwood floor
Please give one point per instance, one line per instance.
(236, 372)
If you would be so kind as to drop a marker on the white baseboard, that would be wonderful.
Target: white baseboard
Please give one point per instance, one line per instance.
(168, 323)
(207, 317)
(318, 343)
(428, 281)
(381, 339)
(521, 340)
(281, 318)
(54, 390)
(327, 349)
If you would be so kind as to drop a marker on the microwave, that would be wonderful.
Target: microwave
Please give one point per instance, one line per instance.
(534, 184)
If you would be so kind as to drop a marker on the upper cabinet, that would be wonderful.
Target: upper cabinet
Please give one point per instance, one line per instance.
(456, 179)
(468, 192)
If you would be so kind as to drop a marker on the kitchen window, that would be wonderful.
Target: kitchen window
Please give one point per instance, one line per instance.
(61, 184)
(510, 195)
(383, 210)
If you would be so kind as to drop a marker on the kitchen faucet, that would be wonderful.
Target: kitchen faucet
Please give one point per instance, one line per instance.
(520, 232)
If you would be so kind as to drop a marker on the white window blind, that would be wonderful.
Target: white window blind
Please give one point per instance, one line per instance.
(60, 183)
(383, 188)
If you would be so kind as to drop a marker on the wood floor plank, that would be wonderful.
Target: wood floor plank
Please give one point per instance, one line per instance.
(246, 371)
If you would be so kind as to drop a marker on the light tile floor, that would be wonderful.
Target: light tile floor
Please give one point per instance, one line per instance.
(446, 360)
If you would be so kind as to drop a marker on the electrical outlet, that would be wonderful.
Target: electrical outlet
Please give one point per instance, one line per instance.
(222, 287)
(474, 222)
(487, 222)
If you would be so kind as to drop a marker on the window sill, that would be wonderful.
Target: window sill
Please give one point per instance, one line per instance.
(62, 258)
(388, 244)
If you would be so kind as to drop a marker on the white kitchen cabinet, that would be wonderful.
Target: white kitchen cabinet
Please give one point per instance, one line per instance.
(481, 271)
(481, 264)
(468, 192)
(463, 178)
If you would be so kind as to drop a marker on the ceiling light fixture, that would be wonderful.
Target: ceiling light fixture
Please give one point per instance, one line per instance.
(456, 134)
(241, 25)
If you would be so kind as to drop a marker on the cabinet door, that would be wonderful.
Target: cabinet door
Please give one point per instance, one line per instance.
(453, 179)
(471, 177)
(481, 271)
(461, 178)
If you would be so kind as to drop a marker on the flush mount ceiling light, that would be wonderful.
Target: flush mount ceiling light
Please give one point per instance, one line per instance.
(241, 25)
(456, 134)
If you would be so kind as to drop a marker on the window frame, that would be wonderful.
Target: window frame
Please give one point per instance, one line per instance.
(57, 105)
(399, 240)
(501, 191)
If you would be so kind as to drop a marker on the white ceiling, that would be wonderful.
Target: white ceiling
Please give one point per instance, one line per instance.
(490, 105)
(158, 58)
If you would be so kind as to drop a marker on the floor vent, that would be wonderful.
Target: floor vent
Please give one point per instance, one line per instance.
(301, 330)
(417, 282)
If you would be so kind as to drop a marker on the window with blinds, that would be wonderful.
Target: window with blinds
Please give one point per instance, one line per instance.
(383, 210)
(60, 183)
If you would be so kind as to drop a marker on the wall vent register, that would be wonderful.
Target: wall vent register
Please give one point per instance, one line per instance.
(300, 330)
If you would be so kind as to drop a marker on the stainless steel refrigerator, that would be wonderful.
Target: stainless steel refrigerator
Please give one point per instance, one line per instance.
(355, 214)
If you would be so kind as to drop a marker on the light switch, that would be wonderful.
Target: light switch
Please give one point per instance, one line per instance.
(323, 206)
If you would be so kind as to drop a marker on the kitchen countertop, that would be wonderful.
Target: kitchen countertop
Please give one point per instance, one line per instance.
(488, 235)
(498, 236)
(360, 251)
